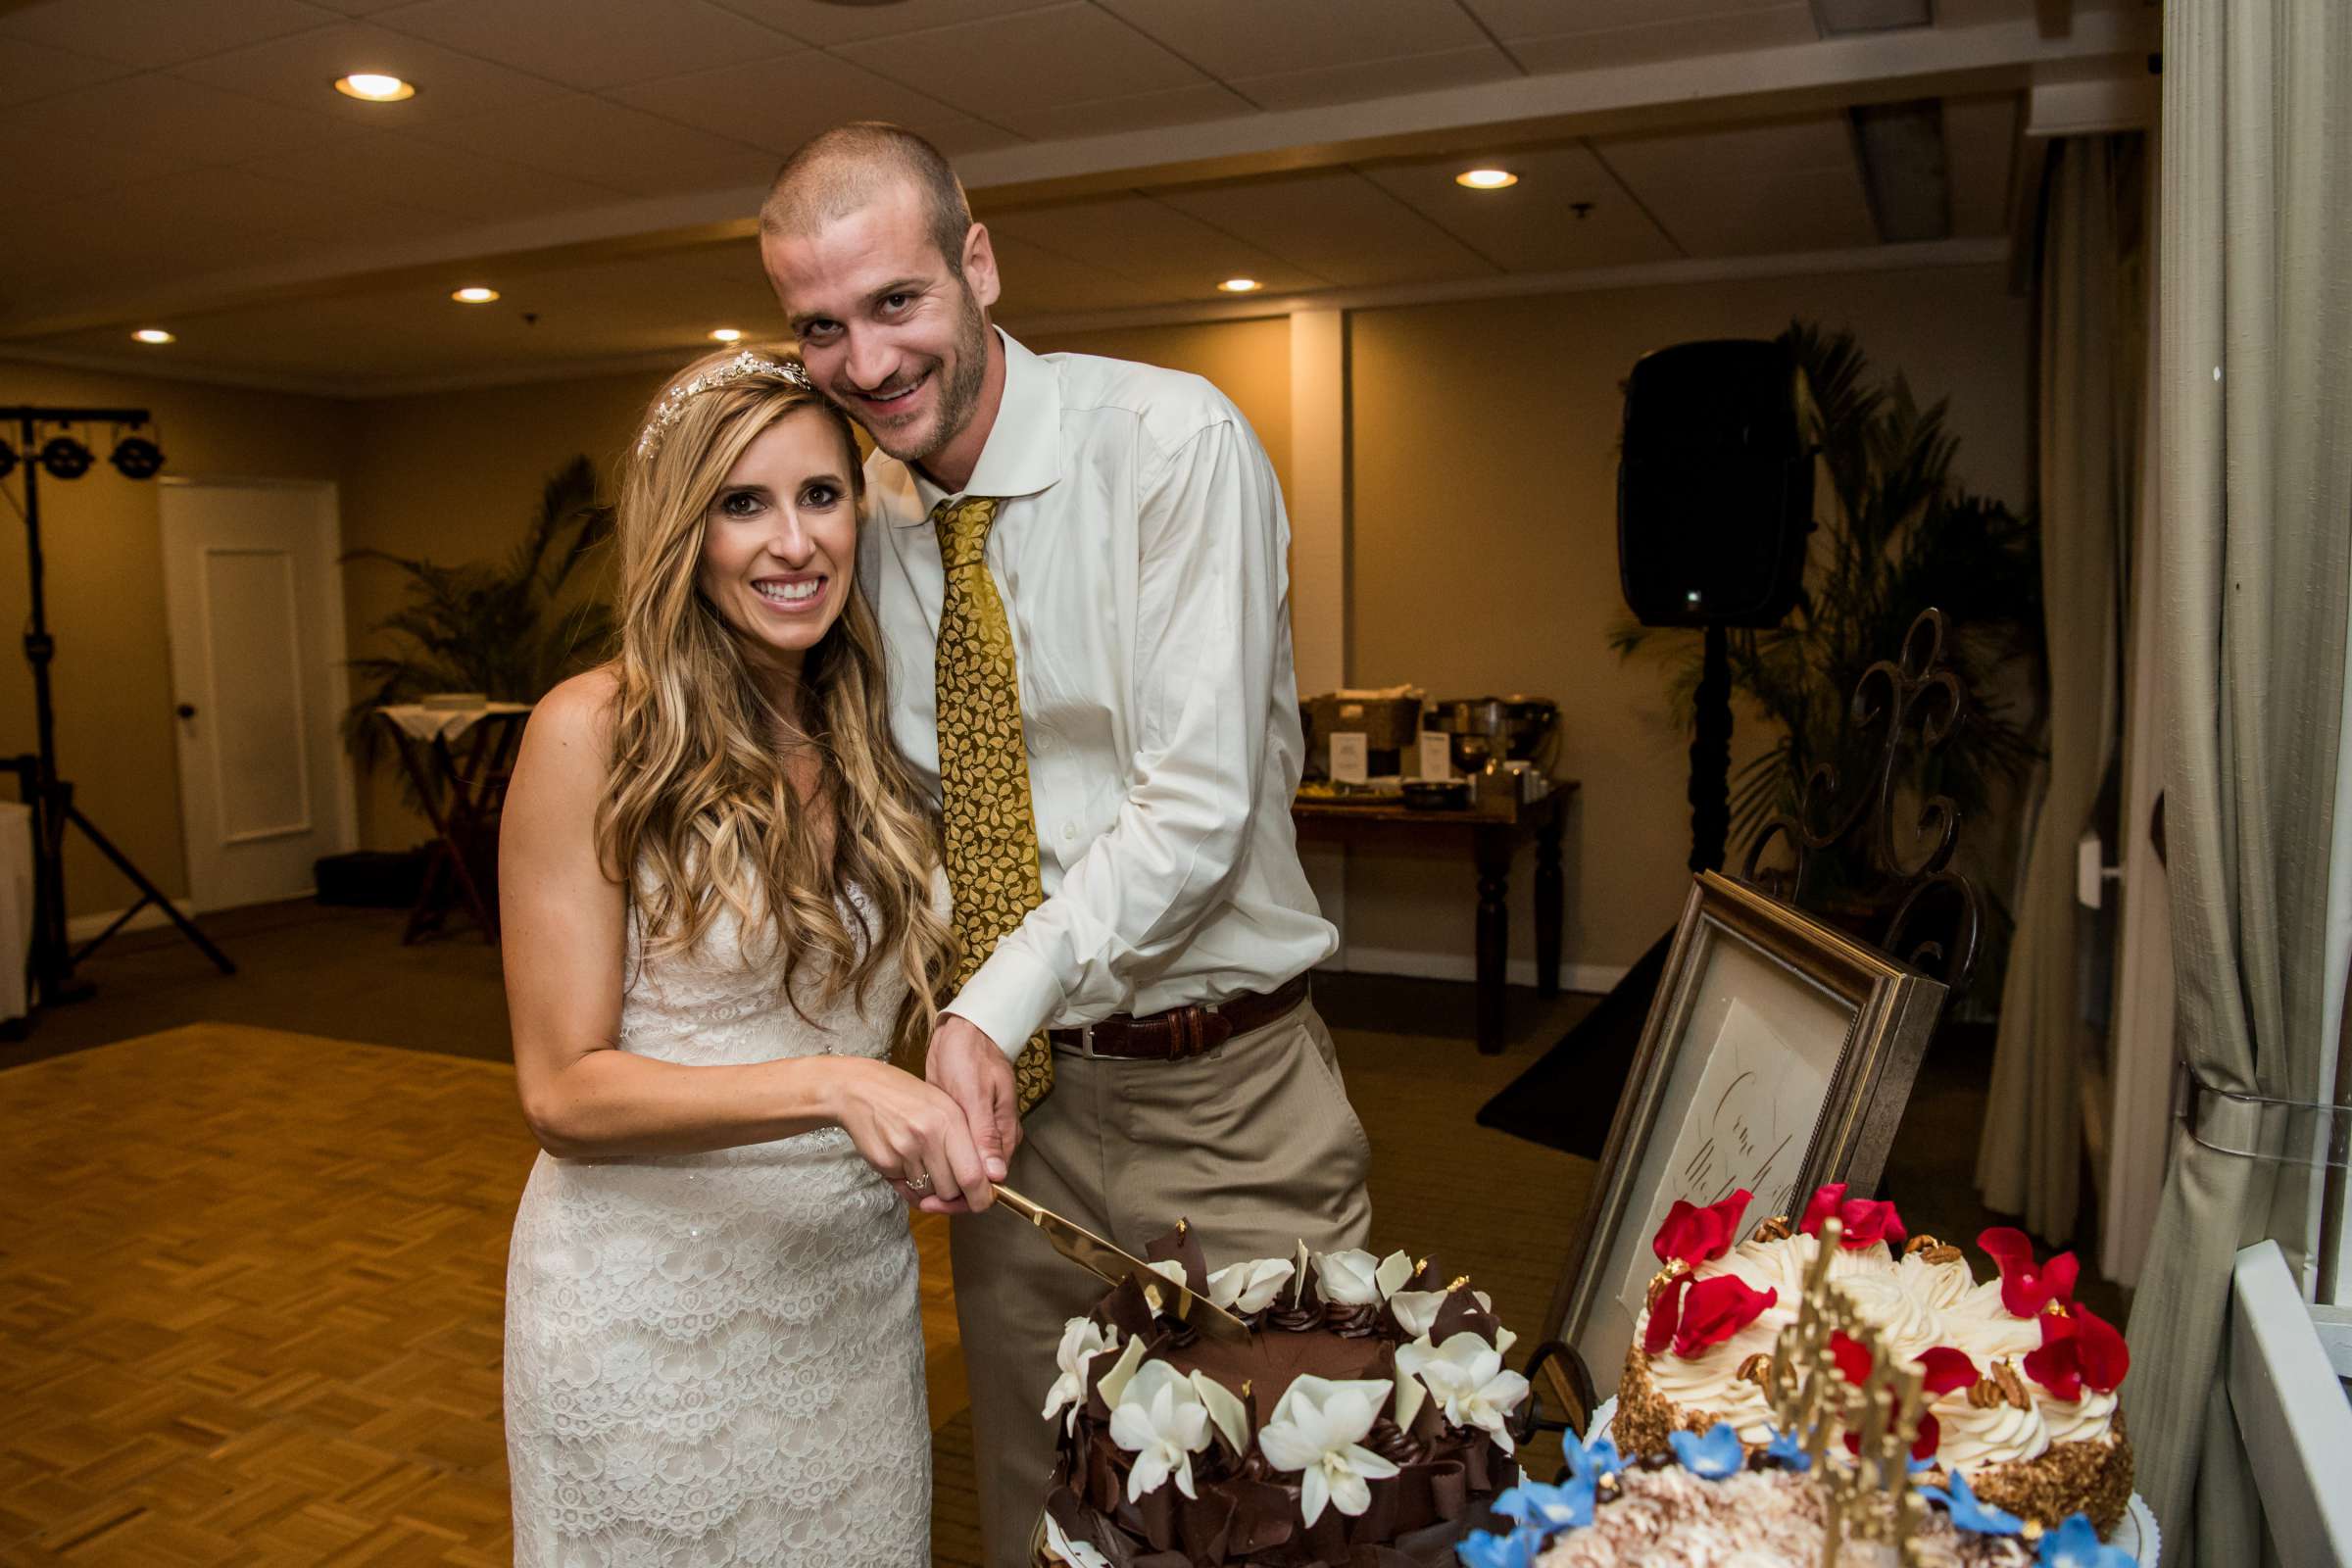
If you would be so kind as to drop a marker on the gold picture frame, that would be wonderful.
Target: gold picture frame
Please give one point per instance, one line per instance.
(1783, 1053)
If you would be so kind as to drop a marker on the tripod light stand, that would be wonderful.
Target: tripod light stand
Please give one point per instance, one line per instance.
(51, 798)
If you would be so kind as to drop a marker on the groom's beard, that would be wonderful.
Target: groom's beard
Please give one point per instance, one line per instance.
(959, 391)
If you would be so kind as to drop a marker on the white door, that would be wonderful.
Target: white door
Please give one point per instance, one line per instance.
(253, 596)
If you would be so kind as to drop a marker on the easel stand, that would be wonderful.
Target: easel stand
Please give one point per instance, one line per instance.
(51, 798)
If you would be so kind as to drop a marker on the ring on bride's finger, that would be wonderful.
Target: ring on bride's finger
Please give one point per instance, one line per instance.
(919, 1183)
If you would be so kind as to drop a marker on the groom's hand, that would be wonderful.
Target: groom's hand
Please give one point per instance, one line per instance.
(978, 1076)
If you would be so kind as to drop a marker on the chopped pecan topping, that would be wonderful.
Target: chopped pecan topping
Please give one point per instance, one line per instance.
(2013, 1387)
(1919, 1243)
(1775, 1229)
(1757, 1369)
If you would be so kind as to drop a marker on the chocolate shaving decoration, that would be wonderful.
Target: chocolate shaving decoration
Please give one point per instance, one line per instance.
(1461, 1314)
(1392, 1443)
(1297, 1320)
(1353, 1322)
(1183, 1245)
(1261, 1518)
(1126, 1310)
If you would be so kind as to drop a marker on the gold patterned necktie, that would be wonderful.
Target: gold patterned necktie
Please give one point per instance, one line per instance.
(991, 825)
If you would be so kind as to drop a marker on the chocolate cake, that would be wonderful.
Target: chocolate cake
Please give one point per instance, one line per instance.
(1364, 1425)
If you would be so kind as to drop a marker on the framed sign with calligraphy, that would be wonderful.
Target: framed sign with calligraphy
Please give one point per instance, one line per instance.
(1777, 1056)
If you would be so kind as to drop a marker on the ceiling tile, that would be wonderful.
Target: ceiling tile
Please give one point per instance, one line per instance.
(1173, 255)
(358, 8)
(29, 71)
(141, 32)
(613, 44)
(1780, 185)
(779, 104)
(1335, 224)
(1230, 39)
(1135, 110)
(31, 168)
(1770, 27)
(1038, 282)
(166, 122)
(301, 71)
(1980, 137)
(1533, 226)
(1377, 79)
(1513, 19)
(605, 143)
(824, 22)
(1065, 54)
(438, 179)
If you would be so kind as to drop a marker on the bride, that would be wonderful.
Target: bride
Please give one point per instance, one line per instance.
(719, 895)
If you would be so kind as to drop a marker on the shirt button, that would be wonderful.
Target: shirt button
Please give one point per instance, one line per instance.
(1069, 830)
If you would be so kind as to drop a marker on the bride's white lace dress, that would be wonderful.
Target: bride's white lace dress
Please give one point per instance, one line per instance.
(718, 1359)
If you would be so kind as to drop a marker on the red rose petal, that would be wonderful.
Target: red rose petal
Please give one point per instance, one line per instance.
(1717, 1309)
(1853, 1361)
(2101, 1350)
(1665, 1313)
(1947, 1369)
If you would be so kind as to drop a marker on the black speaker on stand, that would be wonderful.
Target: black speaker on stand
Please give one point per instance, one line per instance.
(1714, 505)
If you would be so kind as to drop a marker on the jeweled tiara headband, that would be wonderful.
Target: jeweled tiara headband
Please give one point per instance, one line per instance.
(673, 402)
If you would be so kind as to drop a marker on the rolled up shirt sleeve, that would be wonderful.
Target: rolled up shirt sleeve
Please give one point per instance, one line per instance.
(1210, 592)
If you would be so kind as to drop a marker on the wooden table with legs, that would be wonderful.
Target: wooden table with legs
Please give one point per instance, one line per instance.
(460, 761)
(1491, 830)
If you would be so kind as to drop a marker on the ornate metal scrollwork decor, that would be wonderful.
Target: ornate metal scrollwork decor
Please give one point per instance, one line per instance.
(1916, 702)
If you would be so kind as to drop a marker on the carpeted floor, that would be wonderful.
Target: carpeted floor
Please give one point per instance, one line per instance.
(1405, 1045)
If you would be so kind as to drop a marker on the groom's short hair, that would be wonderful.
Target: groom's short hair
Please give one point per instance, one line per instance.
(837, 172)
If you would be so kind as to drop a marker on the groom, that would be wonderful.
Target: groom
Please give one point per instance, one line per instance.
(1078, 564)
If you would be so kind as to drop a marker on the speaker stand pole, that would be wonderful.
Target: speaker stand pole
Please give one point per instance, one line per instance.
(1711, 755)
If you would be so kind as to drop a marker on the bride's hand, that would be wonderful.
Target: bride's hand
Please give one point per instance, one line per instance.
(911, 1132)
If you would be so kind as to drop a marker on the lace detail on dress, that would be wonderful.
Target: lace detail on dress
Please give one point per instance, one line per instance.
(718, 1359)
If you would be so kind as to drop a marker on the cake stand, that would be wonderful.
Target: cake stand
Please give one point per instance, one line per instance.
(2135, 1532)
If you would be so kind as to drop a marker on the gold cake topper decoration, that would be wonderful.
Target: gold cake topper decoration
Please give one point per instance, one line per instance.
(1868, 1496)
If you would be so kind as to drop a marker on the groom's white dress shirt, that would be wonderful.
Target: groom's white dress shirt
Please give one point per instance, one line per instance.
(1140, 554)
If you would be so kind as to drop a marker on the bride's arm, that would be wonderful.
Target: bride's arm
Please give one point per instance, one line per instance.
(563, 934)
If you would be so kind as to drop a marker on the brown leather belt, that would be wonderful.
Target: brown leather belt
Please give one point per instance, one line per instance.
(1181, 1032)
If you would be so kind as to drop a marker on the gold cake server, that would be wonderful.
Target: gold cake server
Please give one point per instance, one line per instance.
(1084, 1248)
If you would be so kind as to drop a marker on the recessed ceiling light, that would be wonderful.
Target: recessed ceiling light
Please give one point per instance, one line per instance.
(1241, 286)
(374, 86)
(726, 335)
(476, 295)
(1486, 179)
(154, 334)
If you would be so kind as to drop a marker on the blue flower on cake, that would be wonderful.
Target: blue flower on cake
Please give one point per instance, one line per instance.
(1318, 1432)
(2077, 1545)
(1082, 1340)
(1549, 1508)
(1250, 1287)
(1970, 1514)
(1599, 1456)
(1467, 1377)
(1483, 1549)
(1712, 1457)
(1789, 1450)
(1159, 1417)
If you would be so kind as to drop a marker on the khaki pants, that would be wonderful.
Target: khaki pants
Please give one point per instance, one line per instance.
(1255, 1144)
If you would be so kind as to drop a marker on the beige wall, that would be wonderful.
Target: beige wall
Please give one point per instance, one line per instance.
(102, 544)
(1249, 360)
(1483, 554)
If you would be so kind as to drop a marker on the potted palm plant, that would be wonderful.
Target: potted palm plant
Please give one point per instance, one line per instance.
(504, 628)
(1897, 536)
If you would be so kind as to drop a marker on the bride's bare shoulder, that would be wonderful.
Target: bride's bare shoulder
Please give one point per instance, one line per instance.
(570, 729)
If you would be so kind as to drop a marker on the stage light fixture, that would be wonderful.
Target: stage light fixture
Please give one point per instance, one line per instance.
(138, 458)
(66, 457)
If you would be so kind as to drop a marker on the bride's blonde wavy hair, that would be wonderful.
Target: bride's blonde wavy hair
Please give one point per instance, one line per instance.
(700, 804)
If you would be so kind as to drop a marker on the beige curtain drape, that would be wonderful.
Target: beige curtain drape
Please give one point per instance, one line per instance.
(2254, 385)
(2089, 390)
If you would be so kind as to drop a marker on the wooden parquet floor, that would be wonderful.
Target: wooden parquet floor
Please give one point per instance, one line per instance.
(251, 1292)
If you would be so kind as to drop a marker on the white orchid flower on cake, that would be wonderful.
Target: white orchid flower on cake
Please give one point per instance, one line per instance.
(1318, 1431)
(1417, 1310)
(1077, 1553)
(1082, 1340)
(1467, 1377)
(1249, 1287)
(1162, 1420)
(1348, 1278)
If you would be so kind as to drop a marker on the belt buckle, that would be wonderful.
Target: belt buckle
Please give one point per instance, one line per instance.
(1085, 1042)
